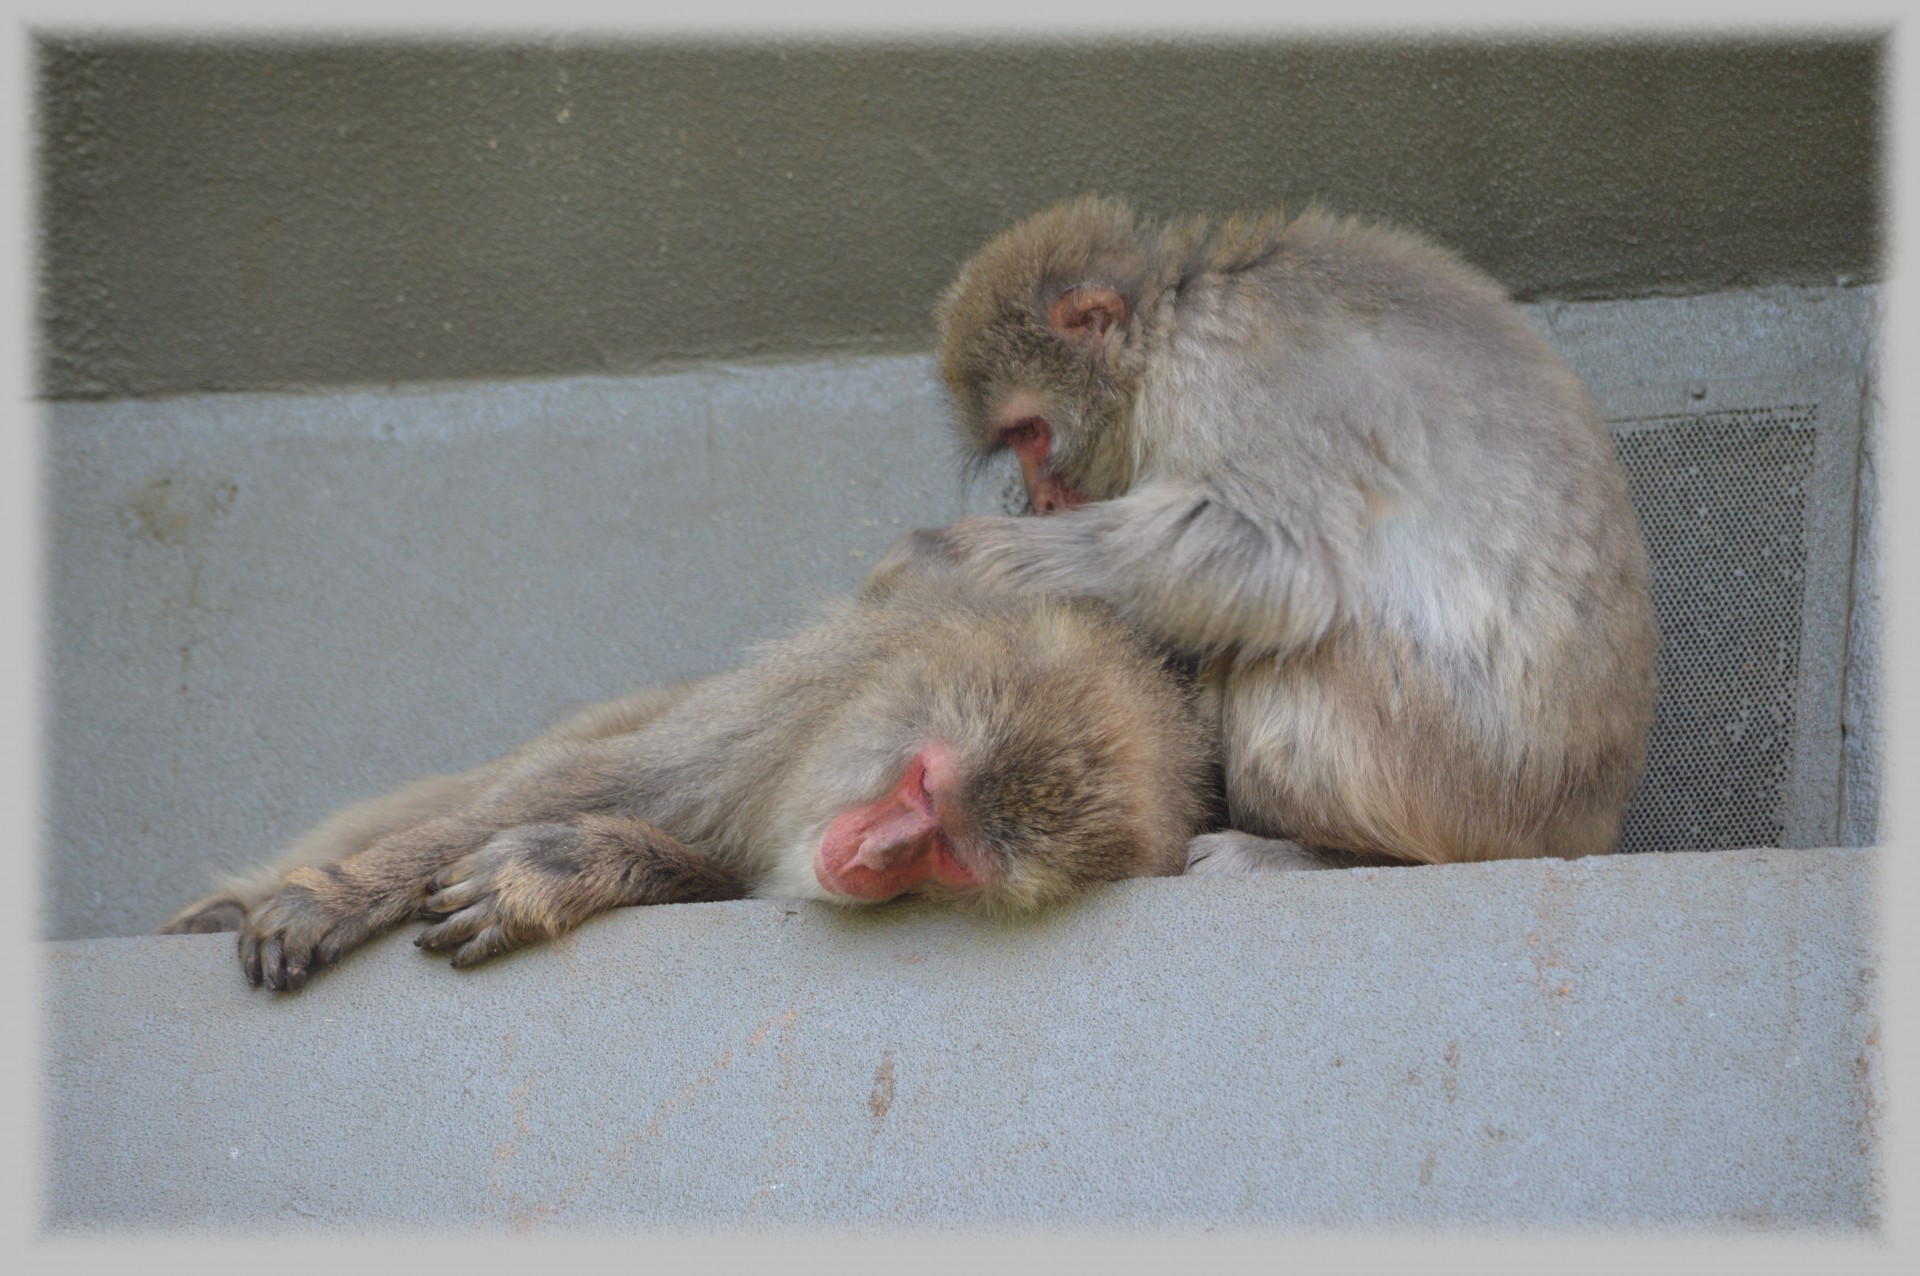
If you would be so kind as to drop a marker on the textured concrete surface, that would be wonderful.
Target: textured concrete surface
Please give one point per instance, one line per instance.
(262, 607)
(245, 215)
(1643, 1042)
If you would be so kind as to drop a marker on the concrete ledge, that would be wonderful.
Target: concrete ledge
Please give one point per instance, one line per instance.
(1672, 1042)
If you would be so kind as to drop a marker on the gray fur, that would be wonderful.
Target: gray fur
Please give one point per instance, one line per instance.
(1080, 758)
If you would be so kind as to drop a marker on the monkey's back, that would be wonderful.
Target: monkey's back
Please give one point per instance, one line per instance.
(1486, 687)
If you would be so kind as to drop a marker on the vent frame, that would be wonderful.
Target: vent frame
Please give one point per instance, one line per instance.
(1809, 799)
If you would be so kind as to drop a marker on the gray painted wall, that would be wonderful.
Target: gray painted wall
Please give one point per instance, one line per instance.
(241, 215)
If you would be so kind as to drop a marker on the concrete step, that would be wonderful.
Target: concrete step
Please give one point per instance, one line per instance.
(1684, 1042)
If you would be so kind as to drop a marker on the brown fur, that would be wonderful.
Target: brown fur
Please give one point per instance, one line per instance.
(1334, 463)
(1082, 759)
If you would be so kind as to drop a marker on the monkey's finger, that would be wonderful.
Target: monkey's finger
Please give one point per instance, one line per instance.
(451, 899)
(250, 957)
(298, 967)
(456, 929)
(488, 943)
(272, 964)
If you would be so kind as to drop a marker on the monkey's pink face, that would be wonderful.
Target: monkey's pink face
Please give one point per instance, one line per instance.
(901, 842)
(1019, 424)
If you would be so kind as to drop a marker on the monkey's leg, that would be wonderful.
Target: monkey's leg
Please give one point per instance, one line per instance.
(1230, 853)
(323, 911)
(540, 880)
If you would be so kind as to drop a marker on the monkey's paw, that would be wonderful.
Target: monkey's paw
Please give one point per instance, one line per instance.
(520, 888)
(310, 922)
(1234, 854)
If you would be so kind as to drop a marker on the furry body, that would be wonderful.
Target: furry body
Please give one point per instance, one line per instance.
(1334, 463)
(1058, 751)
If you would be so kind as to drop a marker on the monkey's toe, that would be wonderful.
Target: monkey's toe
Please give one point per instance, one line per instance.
(449, 898)
(489, 943)
(473, 934)
(456, 927)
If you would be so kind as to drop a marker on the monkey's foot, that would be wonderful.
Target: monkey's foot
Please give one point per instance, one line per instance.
(525, 885)
(315, 918)
(209, 916)
(1233, 854)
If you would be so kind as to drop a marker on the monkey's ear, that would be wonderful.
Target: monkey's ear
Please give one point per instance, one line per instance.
(1085, 313)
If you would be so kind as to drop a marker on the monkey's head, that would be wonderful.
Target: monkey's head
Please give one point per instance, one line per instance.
(1036, 348)
(1013, 766)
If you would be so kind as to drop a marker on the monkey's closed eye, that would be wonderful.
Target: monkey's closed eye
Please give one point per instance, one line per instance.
(1024, 433)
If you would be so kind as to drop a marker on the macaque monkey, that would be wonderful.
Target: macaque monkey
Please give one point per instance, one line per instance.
(1335, 464)
(942, 741)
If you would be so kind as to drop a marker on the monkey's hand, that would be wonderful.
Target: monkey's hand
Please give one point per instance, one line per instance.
(540, 880)
(316, 917)
(1230, 853)
(523, 886)
(923, 552)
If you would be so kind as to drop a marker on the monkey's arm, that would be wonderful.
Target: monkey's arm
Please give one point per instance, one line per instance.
(319, 912)
(540, 880)
(360, 827)
(1179, 559)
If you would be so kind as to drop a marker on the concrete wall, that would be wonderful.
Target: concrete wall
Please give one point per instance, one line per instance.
(1671, 1043)
(223, 215)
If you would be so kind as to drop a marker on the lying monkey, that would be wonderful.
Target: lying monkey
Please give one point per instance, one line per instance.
(940, 741)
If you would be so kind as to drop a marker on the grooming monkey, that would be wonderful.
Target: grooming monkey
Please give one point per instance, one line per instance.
(1336, 464)
(943, 741)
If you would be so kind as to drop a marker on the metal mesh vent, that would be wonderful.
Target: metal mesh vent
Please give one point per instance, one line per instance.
(1723, 500)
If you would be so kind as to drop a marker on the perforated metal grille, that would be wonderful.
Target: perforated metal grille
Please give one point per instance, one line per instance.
(1723, 500)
